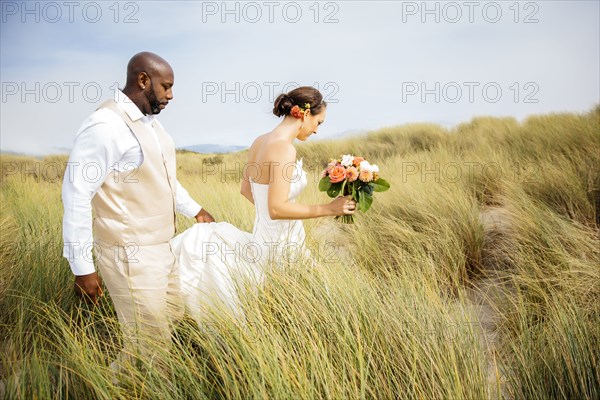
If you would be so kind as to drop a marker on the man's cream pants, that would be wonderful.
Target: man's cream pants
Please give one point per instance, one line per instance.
(143, 283)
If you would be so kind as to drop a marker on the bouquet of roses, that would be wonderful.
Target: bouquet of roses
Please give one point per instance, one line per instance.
(355, 176)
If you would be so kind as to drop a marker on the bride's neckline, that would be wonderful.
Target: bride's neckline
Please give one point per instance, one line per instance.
(256, 183)
(298, 162)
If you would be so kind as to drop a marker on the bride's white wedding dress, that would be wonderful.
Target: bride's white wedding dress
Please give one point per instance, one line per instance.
(215, 259)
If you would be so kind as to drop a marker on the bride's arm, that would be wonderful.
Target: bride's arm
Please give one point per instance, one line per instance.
(246, 191)
(284, 155)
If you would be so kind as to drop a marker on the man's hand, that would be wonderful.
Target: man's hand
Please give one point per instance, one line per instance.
(204, 216)
(89, 287)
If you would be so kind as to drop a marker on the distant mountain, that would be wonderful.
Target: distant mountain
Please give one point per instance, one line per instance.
(213, 148)
(38, 152)
(12, 153)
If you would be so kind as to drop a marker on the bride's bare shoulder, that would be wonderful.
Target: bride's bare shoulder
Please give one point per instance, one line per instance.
(258, 140)
(270, 148)
(258, 144)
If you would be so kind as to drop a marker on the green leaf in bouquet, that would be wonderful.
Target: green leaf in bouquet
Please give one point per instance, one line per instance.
(334, 190)
(380, 185)
(368, 189)
(364, 202)
(324, 184)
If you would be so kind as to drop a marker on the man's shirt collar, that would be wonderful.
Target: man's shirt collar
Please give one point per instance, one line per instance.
(131, 109)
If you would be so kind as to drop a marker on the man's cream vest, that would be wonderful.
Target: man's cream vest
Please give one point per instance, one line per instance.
(137, 206)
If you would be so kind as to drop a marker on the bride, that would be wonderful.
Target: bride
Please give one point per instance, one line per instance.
(214, 256)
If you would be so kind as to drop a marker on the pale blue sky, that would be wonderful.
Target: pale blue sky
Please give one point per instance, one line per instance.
(371, 61)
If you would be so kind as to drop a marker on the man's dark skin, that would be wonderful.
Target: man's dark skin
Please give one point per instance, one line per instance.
(149, 86)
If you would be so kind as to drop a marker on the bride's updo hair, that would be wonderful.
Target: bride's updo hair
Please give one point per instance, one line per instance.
(300, 96)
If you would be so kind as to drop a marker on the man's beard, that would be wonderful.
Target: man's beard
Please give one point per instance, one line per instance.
(153, 101)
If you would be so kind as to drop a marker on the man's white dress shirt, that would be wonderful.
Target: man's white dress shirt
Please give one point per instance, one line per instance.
(103, 143)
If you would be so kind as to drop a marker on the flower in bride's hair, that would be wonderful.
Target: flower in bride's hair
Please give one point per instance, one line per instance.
(347, 160)
(366, 176)
(356, 161)
(351, 174)
(296, 112)
(337, 174)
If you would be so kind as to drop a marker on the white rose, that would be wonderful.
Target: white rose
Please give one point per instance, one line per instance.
(347, 160)
(365, 166)
(374, 168)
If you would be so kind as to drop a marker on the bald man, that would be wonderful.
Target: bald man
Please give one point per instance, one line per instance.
(123, 167)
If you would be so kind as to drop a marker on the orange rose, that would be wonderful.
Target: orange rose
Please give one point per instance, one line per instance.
(337, 174)
(330, 168)
(357, 160)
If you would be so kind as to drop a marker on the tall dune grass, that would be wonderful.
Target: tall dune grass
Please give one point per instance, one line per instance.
(477, 275)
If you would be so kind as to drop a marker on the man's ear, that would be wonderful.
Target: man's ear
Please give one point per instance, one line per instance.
(143, 80)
